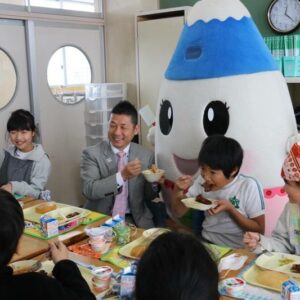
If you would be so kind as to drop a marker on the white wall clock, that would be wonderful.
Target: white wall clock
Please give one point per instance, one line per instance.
(284, 15)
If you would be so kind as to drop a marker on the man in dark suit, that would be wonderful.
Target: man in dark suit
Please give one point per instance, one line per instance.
(103, 182)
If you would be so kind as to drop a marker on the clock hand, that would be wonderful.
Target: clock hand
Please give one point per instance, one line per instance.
(287, 14)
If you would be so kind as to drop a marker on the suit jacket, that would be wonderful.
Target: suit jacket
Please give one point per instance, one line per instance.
(98, 174)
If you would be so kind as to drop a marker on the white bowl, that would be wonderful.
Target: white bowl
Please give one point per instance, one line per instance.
(153, 177)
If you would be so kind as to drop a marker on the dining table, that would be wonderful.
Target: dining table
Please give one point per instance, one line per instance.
(34, 248)
(30, 247)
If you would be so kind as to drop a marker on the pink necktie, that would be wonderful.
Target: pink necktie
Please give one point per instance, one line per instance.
(120, 205)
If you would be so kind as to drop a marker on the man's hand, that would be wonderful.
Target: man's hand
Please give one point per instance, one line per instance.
(132, 169)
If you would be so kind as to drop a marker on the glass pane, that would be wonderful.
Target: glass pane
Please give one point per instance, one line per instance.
(68, 72)
(14, 2)
(78, 5)
(8, 79)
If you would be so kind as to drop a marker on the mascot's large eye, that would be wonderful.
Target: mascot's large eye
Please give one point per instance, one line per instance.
(165, 117)
(216, 118)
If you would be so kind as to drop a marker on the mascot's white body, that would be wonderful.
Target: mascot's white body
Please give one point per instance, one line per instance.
(253, 107)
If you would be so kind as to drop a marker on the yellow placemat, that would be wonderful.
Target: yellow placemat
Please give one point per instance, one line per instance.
(216, 251)
(114, 258)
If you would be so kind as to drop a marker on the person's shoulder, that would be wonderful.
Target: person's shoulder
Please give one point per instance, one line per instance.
(248, 182)
(247, 178)
(99, 147)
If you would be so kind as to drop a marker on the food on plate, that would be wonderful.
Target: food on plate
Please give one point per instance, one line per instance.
(203, 200)
(207, 186)
(45, 207)
(295, 268)
(138, 251)
(272, 279)
(73, 214)
(154, 169)
(285, 261)
(25, 266)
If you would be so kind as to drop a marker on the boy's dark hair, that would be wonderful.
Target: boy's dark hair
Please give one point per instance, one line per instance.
(221, 153)
(11, 226)
(21, 119)
(126, 108)
(176, 266)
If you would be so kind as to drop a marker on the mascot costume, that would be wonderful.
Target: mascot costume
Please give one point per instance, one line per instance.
(222, 79)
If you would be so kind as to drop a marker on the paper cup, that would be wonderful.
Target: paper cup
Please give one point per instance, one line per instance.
(234, 286)
(101, 278)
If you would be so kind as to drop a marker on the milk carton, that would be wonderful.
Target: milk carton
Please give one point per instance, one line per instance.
(290, 290)
(49, 226)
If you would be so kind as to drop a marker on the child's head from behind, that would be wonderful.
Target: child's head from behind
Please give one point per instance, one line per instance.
(21, 128)
(11, 226)
(291, 174)
(220, 159)
(176, 266)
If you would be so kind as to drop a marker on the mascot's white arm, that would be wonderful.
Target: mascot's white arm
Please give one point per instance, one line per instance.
(151, 135)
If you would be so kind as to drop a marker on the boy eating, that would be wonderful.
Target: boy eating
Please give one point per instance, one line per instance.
(239, 203)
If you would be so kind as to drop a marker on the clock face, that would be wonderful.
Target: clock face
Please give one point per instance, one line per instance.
(284, 15)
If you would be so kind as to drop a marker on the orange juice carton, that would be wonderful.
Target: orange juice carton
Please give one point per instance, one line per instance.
(290, 290)
(49, 226)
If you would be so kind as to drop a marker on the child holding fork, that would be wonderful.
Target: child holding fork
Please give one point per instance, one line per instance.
(286, 236)
(239, 203)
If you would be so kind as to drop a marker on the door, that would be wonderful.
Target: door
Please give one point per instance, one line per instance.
(13, 43)
(62, 125)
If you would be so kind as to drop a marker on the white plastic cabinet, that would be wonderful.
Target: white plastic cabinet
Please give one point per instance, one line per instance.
(157, 33)
(100, 100)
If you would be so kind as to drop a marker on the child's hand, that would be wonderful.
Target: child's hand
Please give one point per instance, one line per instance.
(222, 205)
(7, 187)
(184, 182)
(58, 251)
(251, 240)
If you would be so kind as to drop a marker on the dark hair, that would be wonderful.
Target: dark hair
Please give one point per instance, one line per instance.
(126, 108)
(21, 119)
(176, 266)
(221, 153)
(11, 226)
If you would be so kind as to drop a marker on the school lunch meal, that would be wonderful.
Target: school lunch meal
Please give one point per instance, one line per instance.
(45, 207)
(203, 200)
(153, 174)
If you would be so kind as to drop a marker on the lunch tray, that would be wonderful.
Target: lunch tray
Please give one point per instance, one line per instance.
(34, 230)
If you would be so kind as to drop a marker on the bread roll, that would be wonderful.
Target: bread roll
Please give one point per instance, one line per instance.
(45, 207)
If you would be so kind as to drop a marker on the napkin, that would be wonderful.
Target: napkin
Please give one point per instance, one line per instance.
(232, 262)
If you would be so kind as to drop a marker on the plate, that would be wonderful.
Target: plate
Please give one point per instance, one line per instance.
(25, 266)
(265, 278)
(279, 262)
(126, 250)
(61, 210)
(48, 266)
(154, 232)
(192, 203)
(31, 215)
